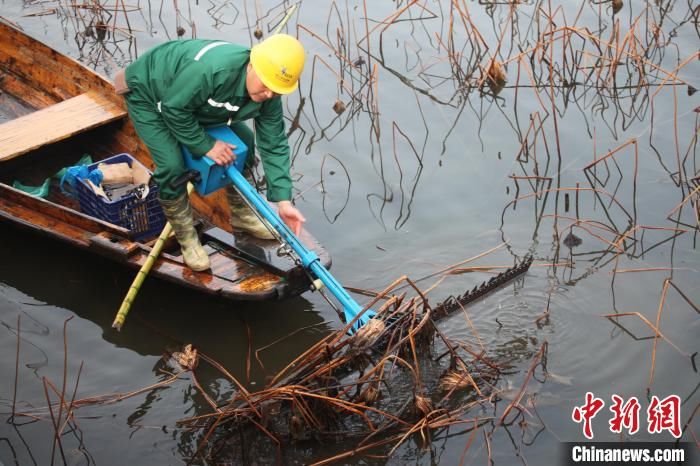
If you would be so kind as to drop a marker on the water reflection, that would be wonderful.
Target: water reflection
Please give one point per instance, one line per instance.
(172, 315)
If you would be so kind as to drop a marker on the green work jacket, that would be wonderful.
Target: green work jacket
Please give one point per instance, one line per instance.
(196, 83)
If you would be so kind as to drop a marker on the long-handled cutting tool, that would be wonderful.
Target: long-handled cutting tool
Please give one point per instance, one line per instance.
(208, 177)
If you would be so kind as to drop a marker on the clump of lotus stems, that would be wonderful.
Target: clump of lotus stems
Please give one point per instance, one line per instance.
(337, 388)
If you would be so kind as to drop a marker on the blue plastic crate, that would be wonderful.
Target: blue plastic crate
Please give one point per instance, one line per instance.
(143, 217)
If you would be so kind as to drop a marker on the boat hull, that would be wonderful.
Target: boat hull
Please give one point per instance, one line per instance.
(30, 79)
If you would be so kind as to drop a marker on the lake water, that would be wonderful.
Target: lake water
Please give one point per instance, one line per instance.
(422, 170)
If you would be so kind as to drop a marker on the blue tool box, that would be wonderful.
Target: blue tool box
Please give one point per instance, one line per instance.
(143, 217)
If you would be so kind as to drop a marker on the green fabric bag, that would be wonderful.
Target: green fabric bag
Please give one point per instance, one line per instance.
(42, 190)
(38, 191)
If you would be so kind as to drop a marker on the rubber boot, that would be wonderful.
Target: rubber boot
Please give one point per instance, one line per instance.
(179, 214)
(243, 218)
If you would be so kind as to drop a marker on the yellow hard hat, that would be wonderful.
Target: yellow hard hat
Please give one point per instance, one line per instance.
(278, 62)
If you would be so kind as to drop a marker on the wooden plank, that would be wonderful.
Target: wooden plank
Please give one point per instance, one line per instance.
(55, 123)
(41, 223)
(31, 96)
(47, 69)
(113, 246)
(48, 209)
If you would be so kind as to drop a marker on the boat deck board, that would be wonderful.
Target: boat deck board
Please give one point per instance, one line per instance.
(55, 123)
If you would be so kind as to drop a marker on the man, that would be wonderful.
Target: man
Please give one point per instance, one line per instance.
(176, 89)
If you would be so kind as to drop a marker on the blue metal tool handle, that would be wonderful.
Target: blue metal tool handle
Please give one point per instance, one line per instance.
(308, 258)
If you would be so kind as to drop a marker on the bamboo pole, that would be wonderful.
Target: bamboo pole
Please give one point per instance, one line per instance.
(286, 18)
(143, 272)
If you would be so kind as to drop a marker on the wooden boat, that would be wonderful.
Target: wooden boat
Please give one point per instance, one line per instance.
(52, 111)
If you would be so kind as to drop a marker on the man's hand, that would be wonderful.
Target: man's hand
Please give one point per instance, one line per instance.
(222, 153)
(291, 216)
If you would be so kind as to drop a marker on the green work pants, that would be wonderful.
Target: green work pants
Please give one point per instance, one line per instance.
(164, 148)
